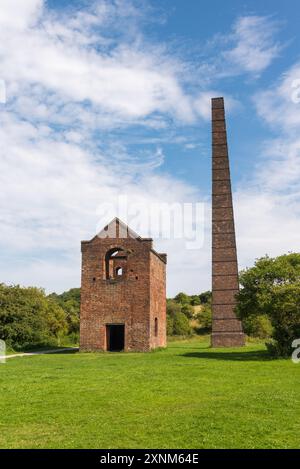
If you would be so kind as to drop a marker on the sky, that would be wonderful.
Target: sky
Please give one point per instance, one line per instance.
(107, 99)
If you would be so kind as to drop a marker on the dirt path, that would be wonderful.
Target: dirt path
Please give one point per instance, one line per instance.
(42, 352)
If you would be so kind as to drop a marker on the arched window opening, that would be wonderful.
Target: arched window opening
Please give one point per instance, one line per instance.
(115, 263)
(156, 327)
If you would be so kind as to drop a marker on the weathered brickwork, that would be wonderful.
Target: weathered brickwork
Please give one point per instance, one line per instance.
(226, 328)
(123, 283)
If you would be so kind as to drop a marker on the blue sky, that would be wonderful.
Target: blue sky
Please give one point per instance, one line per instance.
(108, 98)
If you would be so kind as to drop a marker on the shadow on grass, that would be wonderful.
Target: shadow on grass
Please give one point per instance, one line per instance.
(241, 356)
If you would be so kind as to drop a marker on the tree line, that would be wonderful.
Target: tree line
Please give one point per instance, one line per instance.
(29, 318)
(268, 305)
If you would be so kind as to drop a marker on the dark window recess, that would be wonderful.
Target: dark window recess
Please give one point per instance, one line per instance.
(115, 334)
(156, 327)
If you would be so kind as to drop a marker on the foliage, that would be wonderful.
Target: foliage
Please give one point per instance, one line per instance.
(170, 325)
(205, 297)
(199, 321)
(272, 288)
(182, 298)
(70, 302)
(173, 307)
(195, 300)
(178, 316)
(181, 325)
(29, 318)
(187, 310)
(205, 318)
(258, 326)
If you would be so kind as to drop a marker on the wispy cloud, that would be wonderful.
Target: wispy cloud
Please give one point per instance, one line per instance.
(70, 80)
(248, 48)
(253, 45)
(268, 203)
(74, 79)
(279, 106)
(68, 58)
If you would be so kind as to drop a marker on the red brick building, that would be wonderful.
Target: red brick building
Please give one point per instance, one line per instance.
(123, 292)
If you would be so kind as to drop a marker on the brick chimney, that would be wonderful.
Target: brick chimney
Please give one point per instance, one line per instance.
(226, 328)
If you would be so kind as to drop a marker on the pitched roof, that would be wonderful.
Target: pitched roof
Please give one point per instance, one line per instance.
(118, 229)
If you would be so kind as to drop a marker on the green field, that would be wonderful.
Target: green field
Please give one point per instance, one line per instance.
(187, 396)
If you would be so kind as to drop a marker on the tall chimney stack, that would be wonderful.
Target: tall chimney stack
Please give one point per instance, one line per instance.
(226, 328)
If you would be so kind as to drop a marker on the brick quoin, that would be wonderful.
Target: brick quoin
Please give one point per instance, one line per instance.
(226, 328)
(123, 283)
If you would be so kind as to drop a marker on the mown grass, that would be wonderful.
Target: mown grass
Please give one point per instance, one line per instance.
(187, 396)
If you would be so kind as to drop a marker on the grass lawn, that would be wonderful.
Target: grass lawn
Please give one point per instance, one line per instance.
(187, 396)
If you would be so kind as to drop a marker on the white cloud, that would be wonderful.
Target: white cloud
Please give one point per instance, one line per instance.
(280, 105)
(254, 47)
(63, 56)
(51, 193)
(19, 14)
(69, 81)
(268, 204)
(266, 223)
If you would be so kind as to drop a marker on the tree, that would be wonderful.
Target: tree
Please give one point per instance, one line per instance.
(57, 320)
(69, 301)
(258, 326)
(205, 318)
(272, 288)
(195, 300)
(205, 297)
(182, 298)
(181, 325)
(187, 310)
(27, 318)
(173, 307)
(170, 325)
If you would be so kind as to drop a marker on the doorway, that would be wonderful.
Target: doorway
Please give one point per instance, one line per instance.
(115, 334)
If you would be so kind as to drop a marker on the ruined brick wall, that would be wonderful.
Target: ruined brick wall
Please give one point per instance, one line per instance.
(124, 300)
(158, 325)
(226, 328)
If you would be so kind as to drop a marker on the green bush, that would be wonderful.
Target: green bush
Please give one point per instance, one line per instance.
(181, 325)
(205, 297)
(285, 320)
(188, 311)
(173, 307)
(28, 318)
(195, 300)
(69, 301)
(272, 288)
(258, 326)
(205, 318)
(182, 298)
(170, 325)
